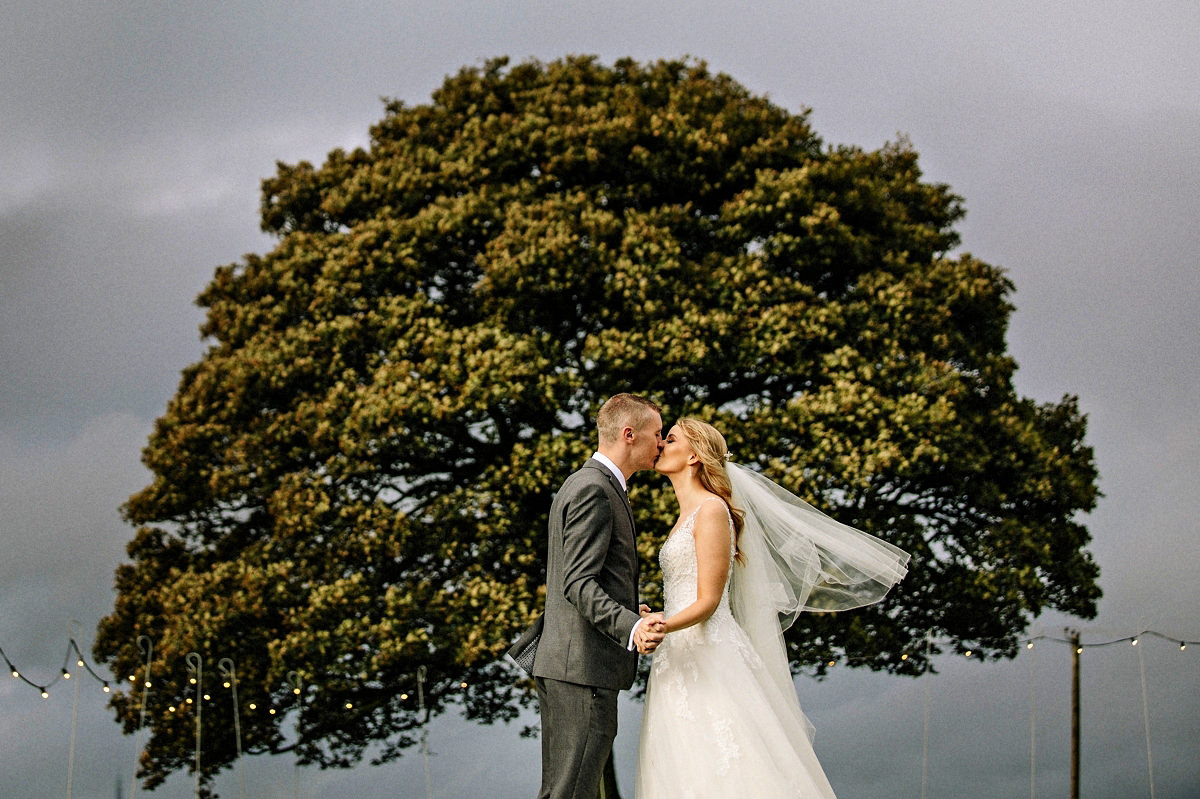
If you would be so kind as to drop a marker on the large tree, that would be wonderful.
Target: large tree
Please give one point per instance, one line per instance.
(352, 483)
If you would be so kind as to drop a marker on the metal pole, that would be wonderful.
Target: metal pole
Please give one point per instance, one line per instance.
(230, 675)
(421, 672)
(196, 666)
(1145, 717)
(1033, 725)
(74, 707)
(297, 682)
(146, 647)
(925, 735)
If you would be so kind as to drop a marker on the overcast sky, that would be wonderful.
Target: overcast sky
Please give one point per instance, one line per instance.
(134, 135)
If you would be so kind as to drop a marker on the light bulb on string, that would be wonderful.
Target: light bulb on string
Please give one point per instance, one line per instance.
(45, 693)
(132, 678)
(171, 708)
(226, 683)
(967, 653)
(1182, 646)
(904, 657)
(1078, 650)
(66, 674)
(106, 688)
(147, 683)
(15, 673)
(1133, 641)
(1029, 645)
(349, 705)
(272, 711)
(254, 706)
(79, 663)
(403, 696)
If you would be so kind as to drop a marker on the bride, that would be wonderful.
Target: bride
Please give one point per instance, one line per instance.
(744, 559)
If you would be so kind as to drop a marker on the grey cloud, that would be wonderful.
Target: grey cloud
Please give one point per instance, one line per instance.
(135, 136)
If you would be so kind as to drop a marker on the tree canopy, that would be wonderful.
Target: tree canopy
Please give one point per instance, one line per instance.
(352, 483)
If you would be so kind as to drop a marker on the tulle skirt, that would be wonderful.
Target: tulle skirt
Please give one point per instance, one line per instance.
(716, 725)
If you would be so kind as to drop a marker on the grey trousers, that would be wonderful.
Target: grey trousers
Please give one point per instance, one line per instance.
(579, 723)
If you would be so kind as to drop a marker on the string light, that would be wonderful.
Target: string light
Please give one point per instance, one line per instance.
(63, 674)
(106, 686)
(315, 689)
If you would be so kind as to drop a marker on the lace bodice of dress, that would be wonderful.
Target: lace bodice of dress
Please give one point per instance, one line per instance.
(677, 558)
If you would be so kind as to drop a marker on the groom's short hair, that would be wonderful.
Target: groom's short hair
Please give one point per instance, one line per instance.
(622, 410)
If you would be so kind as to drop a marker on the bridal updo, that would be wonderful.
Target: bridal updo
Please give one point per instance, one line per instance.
(710, 448)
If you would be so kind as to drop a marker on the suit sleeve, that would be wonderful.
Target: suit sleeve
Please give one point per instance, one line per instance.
(587, 533)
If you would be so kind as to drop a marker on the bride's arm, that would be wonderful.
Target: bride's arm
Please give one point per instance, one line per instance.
(711, 533)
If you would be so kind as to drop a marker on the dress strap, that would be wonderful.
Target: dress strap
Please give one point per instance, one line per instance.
(695, 510)
(700, 504)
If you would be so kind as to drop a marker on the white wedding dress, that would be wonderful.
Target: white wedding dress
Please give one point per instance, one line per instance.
(718, 721)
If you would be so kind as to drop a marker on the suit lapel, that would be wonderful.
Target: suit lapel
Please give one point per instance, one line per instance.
(616, 486)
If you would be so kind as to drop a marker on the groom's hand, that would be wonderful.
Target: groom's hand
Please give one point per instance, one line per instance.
(649, 634)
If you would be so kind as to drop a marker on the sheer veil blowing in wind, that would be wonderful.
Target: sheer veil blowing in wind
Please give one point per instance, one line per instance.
(795, 558)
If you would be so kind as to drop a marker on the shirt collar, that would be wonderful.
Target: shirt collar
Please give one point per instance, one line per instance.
(612, 467)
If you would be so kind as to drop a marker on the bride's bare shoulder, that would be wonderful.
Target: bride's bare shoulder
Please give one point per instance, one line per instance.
(710, 513)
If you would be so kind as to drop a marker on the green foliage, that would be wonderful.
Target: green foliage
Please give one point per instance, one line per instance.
(353, 482)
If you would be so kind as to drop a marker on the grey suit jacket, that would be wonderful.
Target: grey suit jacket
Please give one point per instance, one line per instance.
(591, 584)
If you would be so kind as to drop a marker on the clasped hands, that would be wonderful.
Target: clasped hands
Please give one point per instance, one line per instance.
(650, 632)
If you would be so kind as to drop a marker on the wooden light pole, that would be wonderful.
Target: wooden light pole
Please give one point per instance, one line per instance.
(1073, 637)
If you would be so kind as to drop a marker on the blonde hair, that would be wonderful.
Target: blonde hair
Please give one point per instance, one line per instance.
(709, 445)
(624, 410)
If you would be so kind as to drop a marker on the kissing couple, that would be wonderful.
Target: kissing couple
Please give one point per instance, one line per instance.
(744, 558)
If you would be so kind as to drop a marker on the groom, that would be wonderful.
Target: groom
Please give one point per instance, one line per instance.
(592, 631)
